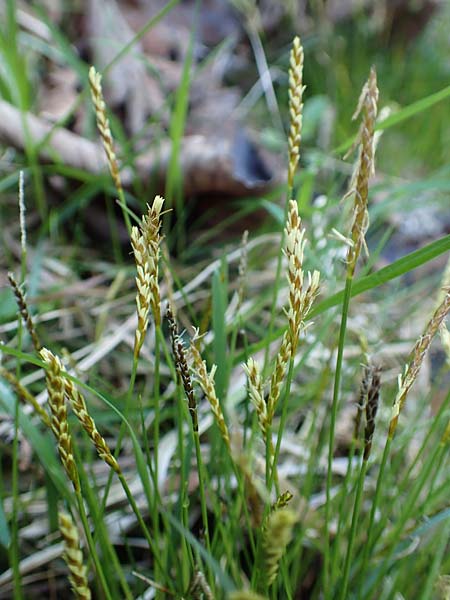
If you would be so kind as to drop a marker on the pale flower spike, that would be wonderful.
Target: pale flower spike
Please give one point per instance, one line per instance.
(407, 379)
(206, 382)
(146, 242)
(359, 185)
(73, 557)
(296, 89)
(103, 125)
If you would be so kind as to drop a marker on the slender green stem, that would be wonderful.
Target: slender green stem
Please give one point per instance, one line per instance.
(284, 407)
(351, 540)
(14, 547)
(156, 403)
(202, 489)
(341, 514)
(91, 545)
(141, 521)
(369, 542)
(334, 409)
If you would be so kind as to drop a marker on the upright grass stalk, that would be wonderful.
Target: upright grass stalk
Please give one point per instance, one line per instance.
(359, 187)
(296, 89)
(95, 84)
(145, 242)
(370, 409)
(184, 376)
(301, 297)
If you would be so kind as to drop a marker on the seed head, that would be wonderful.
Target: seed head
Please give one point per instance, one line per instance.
(206, 382)
(407, 379)
(73, 557)
(59, 423)
(296, 89)
(277, 535)
(103, 125)
(359, 187)
(80, 409)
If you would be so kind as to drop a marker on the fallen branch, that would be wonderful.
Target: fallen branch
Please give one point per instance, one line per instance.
(228, 165)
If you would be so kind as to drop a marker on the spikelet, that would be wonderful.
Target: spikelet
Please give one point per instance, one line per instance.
(80, 409)
(25, 395)
(301, 297)
(206, 382)
(296, 89)
(24, 312)
(103, 126)
(277, 535)
(59, 423)
(255, 389)
(362, 401)
(371, 408)
(146, 242)
(364, 169)
(150, 231)
(282, 500)
(143, 288)
(73, 557)
(406, 381)
(179, 354)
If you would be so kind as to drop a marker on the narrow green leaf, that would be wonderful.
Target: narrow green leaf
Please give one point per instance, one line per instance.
(396, 269)
(402, 115)
(41, 444)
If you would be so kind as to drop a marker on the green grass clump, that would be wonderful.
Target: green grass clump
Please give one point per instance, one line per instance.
(208, 442)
